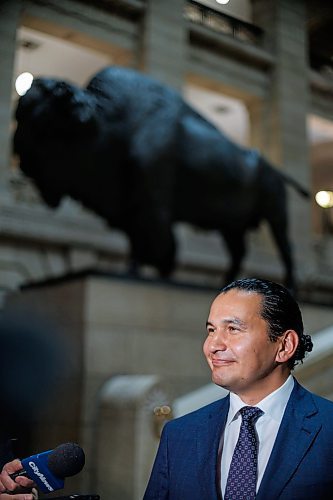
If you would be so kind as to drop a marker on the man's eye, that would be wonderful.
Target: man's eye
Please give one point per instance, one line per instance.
(233, 328)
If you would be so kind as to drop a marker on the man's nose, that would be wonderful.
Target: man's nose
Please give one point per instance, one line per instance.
(218, 341)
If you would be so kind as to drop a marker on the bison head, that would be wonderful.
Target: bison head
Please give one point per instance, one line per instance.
(54, 118)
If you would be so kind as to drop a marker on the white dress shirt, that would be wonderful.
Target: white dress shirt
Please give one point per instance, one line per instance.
(267, 427)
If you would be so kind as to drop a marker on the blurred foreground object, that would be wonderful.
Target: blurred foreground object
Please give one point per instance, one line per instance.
(32, 358)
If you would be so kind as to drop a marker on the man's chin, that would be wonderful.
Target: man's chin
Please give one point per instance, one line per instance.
(220, 381)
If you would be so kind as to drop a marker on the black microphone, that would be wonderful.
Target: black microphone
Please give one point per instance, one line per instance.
(49, 469)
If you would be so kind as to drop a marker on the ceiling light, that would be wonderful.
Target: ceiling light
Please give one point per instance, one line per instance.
(23, 83)
(324, 199)
(223, 2)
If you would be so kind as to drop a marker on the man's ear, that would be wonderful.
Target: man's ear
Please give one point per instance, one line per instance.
(288, 344)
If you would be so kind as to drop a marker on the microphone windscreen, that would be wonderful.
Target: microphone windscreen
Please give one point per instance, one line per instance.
(66, 460)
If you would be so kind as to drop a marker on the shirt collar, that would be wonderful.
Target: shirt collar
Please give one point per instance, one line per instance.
(273, 405)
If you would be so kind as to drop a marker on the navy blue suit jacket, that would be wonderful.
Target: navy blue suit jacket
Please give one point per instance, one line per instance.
(300, 466)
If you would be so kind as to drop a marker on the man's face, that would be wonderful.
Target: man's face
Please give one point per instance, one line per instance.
(237, 347)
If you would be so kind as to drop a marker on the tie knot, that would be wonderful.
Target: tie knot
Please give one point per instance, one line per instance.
(250, 413)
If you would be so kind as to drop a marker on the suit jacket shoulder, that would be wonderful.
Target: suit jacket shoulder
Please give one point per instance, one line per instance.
(301, 463)
(198, 417)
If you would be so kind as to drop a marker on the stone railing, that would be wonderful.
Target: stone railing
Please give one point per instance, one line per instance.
(223, 23)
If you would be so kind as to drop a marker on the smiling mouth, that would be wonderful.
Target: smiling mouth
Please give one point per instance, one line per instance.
(221, 362)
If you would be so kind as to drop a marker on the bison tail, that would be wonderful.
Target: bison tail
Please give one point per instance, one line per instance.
(300, 189)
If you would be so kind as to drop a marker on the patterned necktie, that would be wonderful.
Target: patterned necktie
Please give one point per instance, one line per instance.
(242, 477)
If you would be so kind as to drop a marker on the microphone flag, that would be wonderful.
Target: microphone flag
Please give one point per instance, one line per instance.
(36, 467)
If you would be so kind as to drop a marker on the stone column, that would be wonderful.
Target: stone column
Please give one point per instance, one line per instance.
(285, 111)
(9, 20)
(258, 131)
(164, 41)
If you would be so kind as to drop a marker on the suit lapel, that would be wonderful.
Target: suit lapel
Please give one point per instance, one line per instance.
(208, 440)
(299, 427)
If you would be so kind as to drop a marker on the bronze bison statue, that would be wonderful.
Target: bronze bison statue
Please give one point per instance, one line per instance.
(133, 151)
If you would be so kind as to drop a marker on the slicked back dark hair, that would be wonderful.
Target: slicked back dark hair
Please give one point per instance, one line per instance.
(280, 310)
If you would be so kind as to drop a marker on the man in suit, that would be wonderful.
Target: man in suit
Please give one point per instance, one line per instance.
(254, 339)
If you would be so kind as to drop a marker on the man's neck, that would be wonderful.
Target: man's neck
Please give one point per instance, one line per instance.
(261, 391)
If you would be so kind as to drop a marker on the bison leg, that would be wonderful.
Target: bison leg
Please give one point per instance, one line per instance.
(279, 227)
(236, 246)
(152, 241)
